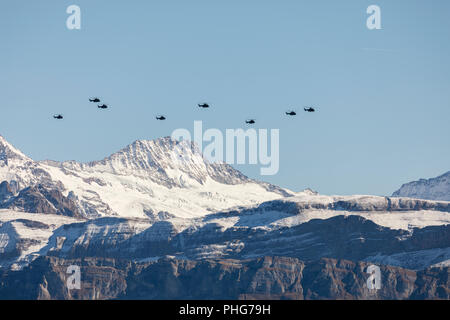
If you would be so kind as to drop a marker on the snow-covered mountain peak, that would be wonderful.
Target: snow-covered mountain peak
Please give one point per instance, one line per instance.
(161, 177)
(432, 189)
(161, 154)
(18, 169)
(9, 152)
(165, 161)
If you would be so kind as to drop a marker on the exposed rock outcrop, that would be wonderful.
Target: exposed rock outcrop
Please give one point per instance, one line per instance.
(39, 199)
(343, 237)
(263, 278)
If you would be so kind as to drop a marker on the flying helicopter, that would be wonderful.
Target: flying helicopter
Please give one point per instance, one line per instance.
(250, 121)
(103, 106)
(96, 100)
(160, 118)
(309, 109)
(58, 116)
(291, 113)
(203, 105)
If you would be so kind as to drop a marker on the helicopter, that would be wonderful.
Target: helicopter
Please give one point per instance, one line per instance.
(291, 113)
(309, 109)
(203, 105)
(250, 121)
(103, 106)
(58, 116)
(94, 100)
(160, 118)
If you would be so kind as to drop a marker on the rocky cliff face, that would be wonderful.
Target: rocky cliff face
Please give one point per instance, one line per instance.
(414, 234)
(6, 191)
(37, 199)
(262, 278)
(352, 237)
(433, 189)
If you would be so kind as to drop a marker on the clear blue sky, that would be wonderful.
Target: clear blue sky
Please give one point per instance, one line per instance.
(383, 96)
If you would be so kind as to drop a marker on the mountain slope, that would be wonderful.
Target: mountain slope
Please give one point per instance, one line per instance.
(158, 198)
(146, 179)
(262, 278)
(9, 153)
(433, 189)
(402, 232)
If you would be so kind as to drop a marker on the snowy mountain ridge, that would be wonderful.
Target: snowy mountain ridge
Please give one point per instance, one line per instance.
(432, 189)
(157, 198)
(410, 233)
(144, 179)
